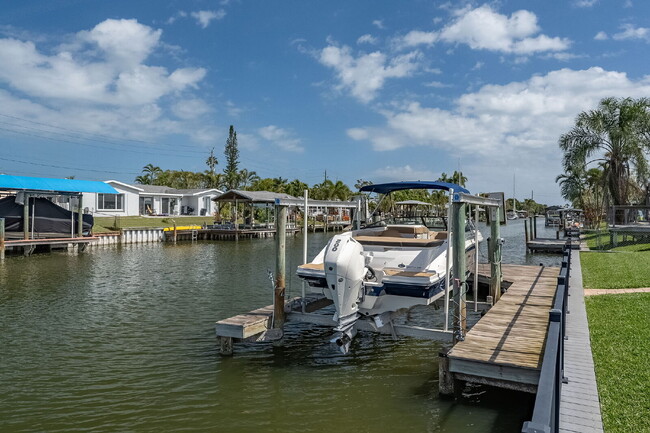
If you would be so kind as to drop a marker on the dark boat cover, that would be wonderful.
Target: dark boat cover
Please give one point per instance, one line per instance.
(48, 217)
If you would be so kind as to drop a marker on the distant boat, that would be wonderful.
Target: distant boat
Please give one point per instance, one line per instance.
(512, 215)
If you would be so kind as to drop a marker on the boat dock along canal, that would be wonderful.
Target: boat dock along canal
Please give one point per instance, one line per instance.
(507, 347)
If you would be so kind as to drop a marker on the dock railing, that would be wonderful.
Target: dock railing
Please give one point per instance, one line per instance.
(546, 414)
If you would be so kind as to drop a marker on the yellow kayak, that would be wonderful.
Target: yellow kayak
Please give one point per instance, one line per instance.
(171, 229)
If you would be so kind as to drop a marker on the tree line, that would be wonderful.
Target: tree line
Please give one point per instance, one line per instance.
(605, 157)
(232, 177)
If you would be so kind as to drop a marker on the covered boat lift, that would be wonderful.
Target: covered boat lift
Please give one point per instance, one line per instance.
(29, 191)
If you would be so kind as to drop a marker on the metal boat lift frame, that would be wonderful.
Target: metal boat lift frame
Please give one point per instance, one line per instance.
(251, 325)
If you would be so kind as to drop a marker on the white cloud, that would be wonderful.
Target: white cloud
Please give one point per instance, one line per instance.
(283, 138)
(585, 3)
(379, 24)
(191, 108)
(437, 85)
(484, 29)
(204, 18)
(105, 65)
(601, 36)
(366, 74)
(502, 125)
(100, 82)
(367, 39)
(632, 32)
(404, 173)
(417, 37)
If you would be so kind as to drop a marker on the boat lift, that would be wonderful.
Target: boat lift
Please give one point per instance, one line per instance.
(254, 326)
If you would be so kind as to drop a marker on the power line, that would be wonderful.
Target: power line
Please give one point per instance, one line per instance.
(67, 168)
(98, 135)
(179, 155)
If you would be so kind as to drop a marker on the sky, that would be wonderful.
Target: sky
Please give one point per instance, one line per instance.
(366, 89)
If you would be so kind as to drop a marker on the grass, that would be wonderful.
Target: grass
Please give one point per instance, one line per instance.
(109, 224)
(601, 240)
(620, 342)
(615, 270)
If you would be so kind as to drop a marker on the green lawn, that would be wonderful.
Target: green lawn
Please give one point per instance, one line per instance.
(601, 240)
(108, 224)
(620, 341)
(615, 270)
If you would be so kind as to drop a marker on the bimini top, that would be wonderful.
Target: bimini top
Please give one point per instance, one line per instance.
(49, 185)
(385, 188)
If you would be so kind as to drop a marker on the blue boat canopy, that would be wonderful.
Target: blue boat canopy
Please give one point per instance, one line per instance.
(50, 185)
(385, 188)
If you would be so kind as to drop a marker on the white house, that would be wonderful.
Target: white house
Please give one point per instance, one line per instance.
(134, 200)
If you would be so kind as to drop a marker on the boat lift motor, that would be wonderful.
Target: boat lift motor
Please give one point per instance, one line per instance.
(345, 269)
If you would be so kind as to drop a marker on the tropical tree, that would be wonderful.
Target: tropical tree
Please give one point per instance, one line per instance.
(231, 172)
(296, 188)
(616, 136)
(149, 175)
(457, 178)
(247, 178)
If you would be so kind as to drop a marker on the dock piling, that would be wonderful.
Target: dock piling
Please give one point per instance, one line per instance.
(2, 238)
(280, 266)
(494, 254)
(460, 267)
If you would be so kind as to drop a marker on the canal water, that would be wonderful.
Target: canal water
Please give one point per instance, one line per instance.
(122, 339)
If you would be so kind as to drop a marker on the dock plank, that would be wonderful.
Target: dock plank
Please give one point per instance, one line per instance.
(513, 332)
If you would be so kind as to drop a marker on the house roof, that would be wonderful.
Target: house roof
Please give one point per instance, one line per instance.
(165, 190)
(253, 196)
(52, 185)
(197, 191)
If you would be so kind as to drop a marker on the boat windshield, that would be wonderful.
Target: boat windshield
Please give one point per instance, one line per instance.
(437, 223)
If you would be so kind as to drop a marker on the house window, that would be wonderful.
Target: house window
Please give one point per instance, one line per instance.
(110, 201)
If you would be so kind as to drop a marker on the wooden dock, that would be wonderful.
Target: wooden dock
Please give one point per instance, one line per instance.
(505, 348)
(547, 245)
(28, 246)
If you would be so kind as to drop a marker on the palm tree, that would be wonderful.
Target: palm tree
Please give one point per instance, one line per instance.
(616, 134)
(296, 188)
(149, 175)
(456, 178)
(247, 178)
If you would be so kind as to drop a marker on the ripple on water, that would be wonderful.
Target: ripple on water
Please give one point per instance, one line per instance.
(122, 339)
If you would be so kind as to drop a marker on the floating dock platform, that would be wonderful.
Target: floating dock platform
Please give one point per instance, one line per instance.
(547, 245)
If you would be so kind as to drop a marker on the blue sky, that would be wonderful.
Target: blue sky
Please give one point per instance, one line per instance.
(378, 90)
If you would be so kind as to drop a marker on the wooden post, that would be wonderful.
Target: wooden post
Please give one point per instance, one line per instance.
(26, 215)
(495, 254)
(225, 346)
(80, 228)
(526, 232)
(2, 238)
(175, 233)
(459, 269)
(280, 248)
(445, 377)
(535, 227)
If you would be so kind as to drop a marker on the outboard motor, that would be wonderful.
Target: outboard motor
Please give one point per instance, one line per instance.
(344, 271)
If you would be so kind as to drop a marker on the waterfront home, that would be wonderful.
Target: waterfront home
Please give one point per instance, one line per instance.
(133, 200)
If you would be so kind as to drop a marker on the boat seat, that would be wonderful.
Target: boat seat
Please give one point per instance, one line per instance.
(313, 266)
(394, 241)
(437, 235)
(396, 272)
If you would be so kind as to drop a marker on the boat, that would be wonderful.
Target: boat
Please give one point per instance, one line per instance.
(512, 215)
(390, 262)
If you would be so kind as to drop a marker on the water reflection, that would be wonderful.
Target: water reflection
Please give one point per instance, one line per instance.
(122, 339)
